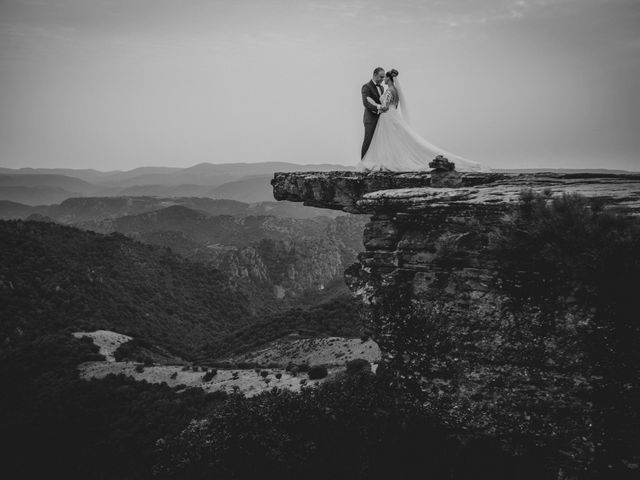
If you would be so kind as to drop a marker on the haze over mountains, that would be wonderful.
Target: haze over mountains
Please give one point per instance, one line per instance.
(282, 257)
(216, 298)
(238, 181)
(243, 182)
(277, 254)
(80, 209)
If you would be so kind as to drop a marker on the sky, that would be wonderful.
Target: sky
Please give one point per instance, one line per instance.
(119, 84)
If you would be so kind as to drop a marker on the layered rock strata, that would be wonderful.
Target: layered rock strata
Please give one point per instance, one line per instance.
(437, 305)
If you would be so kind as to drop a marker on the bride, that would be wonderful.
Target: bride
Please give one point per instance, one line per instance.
(395, 146)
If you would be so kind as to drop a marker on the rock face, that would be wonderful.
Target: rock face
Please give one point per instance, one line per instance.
(342, 190)
(447, 329)
(353, 192)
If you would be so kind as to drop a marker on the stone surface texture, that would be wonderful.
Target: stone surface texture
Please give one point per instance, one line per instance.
(434, 303)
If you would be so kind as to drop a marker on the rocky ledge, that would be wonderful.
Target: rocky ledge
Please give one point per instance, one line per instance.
(453, 328)
(357, 192)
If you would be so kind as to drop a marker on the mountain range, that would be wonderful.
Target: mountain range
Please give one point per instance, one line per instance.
(56, 278)
(78, 209)
(238, 181)
(281, 256)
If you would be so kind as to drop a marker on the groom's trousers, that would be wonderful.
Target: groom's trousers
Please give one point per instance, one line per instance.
(369, 128)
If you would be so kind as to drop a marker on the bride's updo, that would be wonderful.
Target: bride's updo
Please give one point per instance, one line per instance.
(391, 74)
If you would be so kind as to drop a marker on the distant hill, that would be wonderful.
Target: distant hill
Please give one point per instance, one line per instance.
(184, 190)
(84, 174)
(252, 189)
(9, 209)
(279, 249)
(55, 277)
(206, 174)
(35, 195)
(219, 229)
(39, 189)
(65, 182)
(76, 210)
(33, 186)
(283, 257)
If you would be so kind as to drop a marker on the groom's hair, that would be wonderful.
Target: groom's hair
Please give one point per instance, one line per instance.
(377, 71)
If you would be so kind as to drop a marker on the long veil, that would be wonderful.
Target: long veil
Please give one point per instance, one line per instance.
(402, 101)
(462, 163)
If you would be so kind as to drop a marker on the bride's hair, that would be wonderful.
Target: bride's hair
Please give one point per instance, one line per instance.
(391, 74)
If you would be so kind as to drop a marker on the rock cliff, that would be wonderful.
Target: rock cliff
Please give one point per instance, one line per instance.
(442, 308)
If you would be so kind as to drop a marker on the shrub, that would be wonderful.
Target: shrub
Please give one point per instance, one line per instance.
(139, 368)
(365, 428)
(207, 377)
(317, 372)
(565, 241)
(358, 365)
(555, 253)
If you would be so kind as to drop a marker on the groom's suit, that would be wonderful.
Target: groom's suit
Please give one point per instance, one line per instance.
(370, 113)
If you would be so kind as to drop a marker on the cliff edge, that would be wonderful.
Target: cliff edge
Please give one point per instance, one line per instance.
(491, 348)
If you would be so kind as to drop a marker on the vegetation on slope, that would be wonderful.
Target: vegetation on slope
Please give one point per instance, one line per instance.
(337, 317)
(352, 428)
(56, 425)
(568, 250)
(54, 278)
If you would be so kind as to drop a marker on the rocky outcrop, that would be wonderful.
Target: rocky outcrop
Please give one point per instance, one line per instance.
(357, 192)
(448, 329)
(342, 190)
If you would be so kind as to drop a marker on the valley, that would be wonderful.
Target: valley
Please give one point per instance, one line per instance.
(280, 364)
(169, 336)
(185, 281)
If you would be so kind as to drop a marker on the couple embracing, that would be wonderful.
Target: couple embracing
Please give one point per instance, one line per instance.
(390, 144)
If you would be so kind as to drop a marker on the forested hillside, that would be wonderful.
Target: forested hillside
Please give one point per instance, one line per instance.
(54, 277)
(280, 257)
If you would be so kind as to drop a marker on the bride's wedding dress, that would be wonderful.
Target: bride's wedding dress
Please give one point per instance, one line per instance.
(396, 147)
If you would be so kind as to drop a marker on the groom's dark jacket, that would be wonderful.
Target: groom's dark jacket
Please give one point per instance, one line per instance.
(370, 112)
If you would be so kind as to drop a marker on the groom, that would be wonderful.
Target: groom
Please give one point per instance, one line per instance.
(371, 92)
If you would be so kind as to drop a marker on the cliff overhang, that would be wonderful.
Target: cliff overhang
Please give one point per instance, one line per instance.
(455, 325)
(358, 192)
